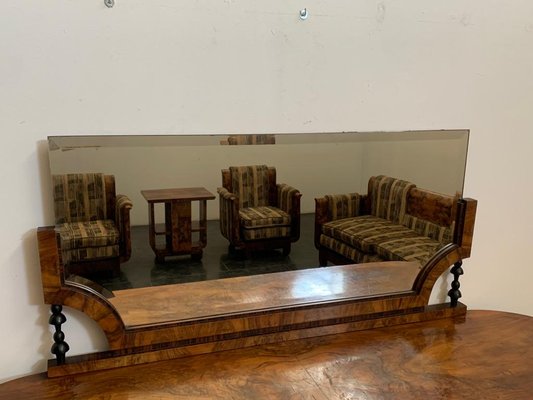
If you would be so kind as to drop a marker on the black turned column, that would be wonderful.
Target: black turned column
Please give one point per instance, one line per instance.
(454, 292)
(60, 347)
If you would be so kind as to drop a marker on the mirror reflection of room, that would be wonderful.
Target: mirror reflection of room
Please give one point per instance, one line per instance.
(315, 164)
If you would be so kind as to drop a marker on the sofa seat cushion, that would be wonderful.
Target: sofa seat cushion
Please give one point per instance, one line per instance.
(348, 252)
(443, 234)
(365, 232)
(265, 222)
(77, 235)
(414, 248)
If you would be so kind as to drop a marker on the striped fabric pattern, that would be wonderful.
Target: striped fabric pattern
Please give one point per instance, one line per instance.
(264, 223)
(122, 202)
(89, 253)
(286, 195)
(415, 248)
(389, 198)
(429, 229)
(79, 197)
(260, 217)
(266, 233)
(251, 139)
(365, 232)
(81, 241)
(225, 205)
(343, 205)
(347, 251)
(250, 184)
(88, 234)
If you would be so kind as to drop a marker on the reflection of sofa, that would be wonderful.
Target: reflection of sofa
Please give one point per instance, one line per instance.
(257, 213)
(395, 221)
(92, 223)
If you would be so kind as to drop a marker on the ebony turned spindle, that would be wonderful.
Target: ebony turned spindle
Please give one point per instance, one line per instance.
(454, 292)
(60, 347)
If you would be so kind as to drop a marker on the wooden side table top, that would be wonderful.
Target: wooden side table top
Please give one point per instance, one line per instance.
(194, 193)
(485, 355)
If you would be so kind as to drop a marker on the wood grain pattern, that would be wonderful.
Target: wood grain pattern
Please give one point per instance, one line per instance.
(178, 221)
(453, 358)
(145, 325)
(261, 292)
(162, 195)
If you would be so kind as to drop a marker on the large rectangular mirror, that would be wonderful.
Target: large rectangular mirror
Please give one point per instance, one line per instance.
(315, 163)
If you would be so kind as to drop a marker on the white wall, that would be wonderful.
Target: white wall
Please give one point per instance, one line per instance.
(171, 66)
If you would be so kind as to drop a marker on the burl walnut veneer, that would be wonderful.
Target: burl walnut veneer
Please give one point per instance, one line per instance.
(158, 323)
(485, 355)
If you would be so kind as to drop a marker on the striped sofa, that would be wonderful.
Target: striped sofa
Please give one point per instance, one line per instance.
(256, 212)
(394, 221)
(91, 222)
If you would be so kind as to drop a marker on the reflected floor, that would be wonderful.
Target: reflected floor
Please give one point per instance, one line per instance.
(143, 270)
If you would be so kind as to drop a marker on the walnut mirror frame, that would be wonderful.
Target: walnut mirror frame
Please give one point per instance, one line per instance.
(145, 324)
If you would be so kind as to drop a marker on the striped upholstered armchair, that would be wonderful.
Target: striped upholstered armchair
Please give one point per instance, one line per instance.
(256, 212)
(92, 223)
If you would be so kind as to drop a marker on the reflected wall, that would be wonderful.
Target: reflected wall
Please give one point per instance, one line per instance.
(314, 163)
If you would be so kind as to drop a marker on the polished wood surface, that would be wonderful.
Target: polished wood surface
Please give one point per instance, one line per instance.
(178, 230)
(195, 193)
(153, 305)
(138, 337)
(487, 355)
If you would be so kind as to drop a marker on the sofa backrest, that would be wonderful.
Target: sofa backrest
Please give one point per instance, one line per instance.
(431, 214)
(83, 197)
(388, 197)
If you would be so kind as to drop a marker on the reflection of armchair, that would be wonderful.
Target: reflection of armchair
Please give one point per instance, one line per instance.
(92, 223)
(249, 139)
(255, 212)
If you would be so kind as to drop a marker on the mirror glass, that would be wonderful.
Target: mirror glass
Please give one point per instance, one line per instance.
(315, 163)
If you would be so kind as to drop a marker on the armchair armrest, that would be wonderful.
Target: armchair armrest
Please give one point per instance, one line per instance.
(289, 201)
(122, 220)
(337, 206)
(229, 215)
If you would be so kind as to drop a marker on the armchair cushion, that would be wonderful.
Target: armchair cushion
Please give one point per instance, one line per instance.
(88, 240)
(259, 217)
(264, 222)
